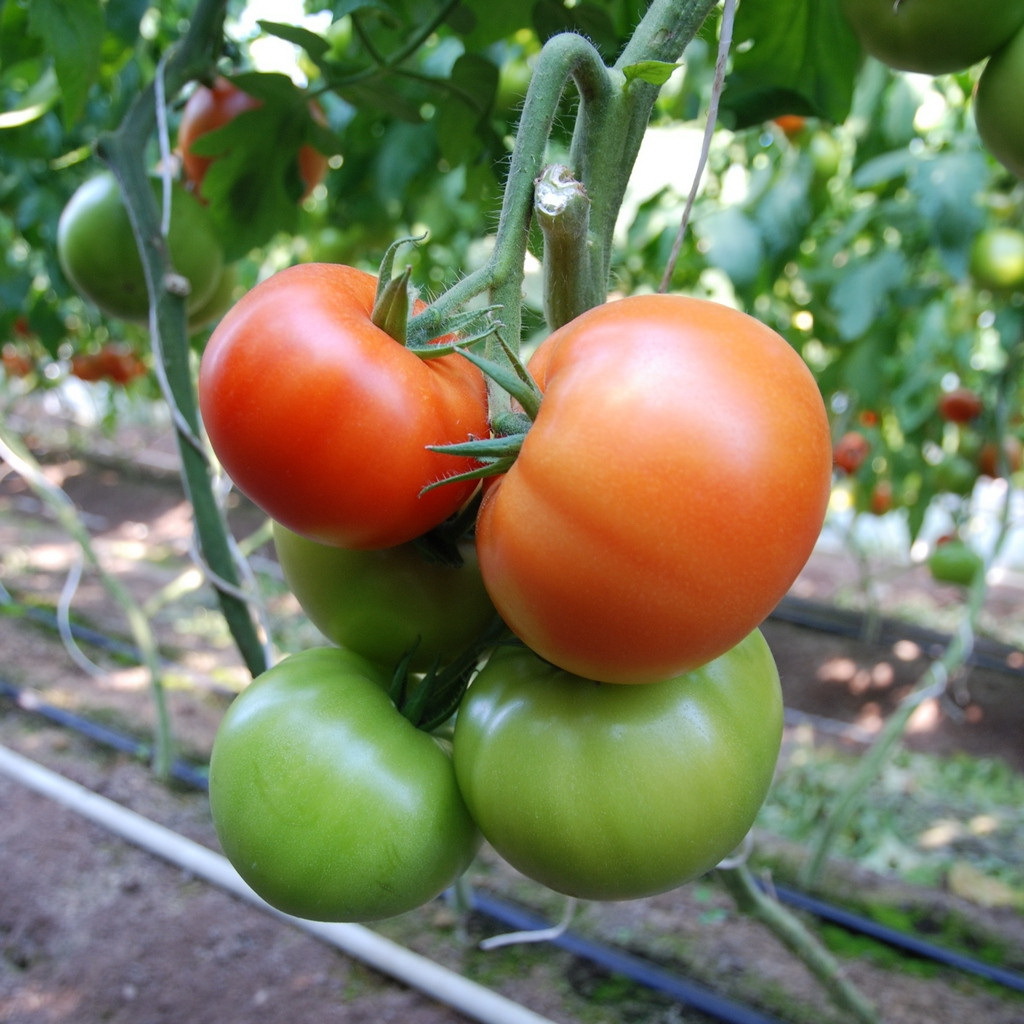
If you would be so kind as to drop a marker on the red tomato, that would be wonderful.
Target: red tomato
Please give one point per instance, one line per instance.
(850, 451)
(671, 488)
(209, 108)
(961, 405)
(791, 125)
(17, 362)
(988, 456)
(323, 419)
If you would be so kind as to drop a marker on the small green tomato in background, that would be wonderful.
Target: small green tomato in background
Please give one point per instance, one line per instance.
(385, 602)
(953, 561)
(99, 257)
(328, 802)
(611, 792)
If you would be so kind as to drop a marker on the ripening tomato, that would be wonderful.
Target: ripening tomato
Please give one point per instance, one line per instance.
(616, 792)
(990, 463)
(385, 603)
(933, 36)
(667, 495)
(323, 419)
(329, 803)
(212, 107)
(961, 405)
(850, 451)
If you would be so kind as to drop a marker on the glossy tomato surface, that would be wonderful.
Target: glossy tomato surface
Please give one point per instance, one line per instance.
(97, 251)
(933, 36)
(328, 802)
(387, 602)
(616, 792)
(669, 492)
(212, 107)
(997, 105)
(323, 419)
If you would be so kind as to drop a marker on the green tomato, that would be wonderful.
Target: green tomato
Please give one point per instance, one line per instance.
(385, 602)
(614, 791)
(933, 36)
(328, 802)
(956, 474)
(954, 562)
(99, 257)
(997, 105)
(218, 302)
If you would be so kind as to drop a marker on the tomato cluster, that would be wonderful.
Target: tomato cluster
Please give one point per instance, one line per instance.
(582, 630)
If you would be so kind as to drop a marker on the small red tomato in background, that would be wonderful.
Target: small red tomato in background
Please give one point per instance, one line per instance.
(791, 125)
(850, 451)
(961, 405)
(212, 107)
(988, 456)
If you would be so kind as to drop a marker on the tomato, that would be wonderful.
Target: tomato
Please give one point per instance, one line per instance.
(997, 259)
(100, 259)
(328, 802)
(933, 36)
(961, 405)
(850, 451)
(323, 419)
(119, 364)
(616, 792)
(219, 301)
(956, 474)
(954, 562)
(1013, 455)
(210, 108)
(16, 361)
(671, 488)
(996, 105)
(790, 125)
(882, 498)
(386, 602)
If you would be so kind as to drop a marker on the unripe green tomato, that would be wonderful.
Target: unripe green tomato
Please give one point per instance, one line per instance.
(612, 792)
(98, 254)
(997, 105)
(385, 602)
(933, 36)
(329, 803)
(997, 259)
(219, 301)
(954, 562)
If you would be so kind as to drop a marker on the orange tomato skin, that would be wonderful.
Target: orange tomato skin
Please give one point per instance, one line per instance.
(322, 419)
(212, 107)
(668, 494)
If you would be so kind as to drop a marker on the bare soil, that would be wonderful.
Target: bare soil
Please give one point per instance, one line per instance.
(93, 929)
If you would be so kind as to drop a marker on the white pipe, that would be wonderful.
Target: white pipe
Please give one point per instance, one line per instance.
(361, 943)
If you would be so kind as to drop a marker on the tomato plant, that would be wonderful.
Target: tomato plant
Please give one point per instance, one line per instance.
(617, 792)
(387, 602)
(995, 99)
(323, 419)
(933, 36)
(670, 490)
(330, 804)
(213, 106)
(99, 256)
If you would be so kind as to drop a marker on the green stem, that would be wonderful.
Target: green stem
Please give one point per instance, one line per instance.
(752, 900)
(22, 462)
(124, 150)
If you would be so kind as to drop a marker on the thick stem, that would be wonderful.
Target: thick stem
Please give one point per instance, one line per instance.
(124, 151)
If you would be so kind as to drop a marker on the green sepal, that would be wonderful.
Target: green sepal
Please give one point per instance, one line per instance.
(457, 325)
(493, 468)
(506, 446)
(391, 306)
(511, 376)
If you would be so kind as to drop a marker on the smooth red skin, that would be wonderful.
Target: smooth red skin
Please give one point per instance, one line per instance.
(209, 108)
(960, 405)
(322, 419)
(666, 497)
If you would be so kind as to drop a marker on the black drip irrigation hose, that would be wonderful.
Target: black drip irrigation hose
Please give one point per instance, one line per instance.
(617, 961)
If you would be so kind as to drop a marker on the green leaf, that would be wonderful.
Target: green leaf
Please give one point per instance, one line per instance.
(863, 293)
(34, 103)
(473, 82)
(315, 45)
(791, 57)
(72, 31)
(657, 72)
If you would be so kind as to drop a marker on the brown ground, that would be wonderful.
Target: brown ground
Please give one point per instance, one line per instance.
(93, 929)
